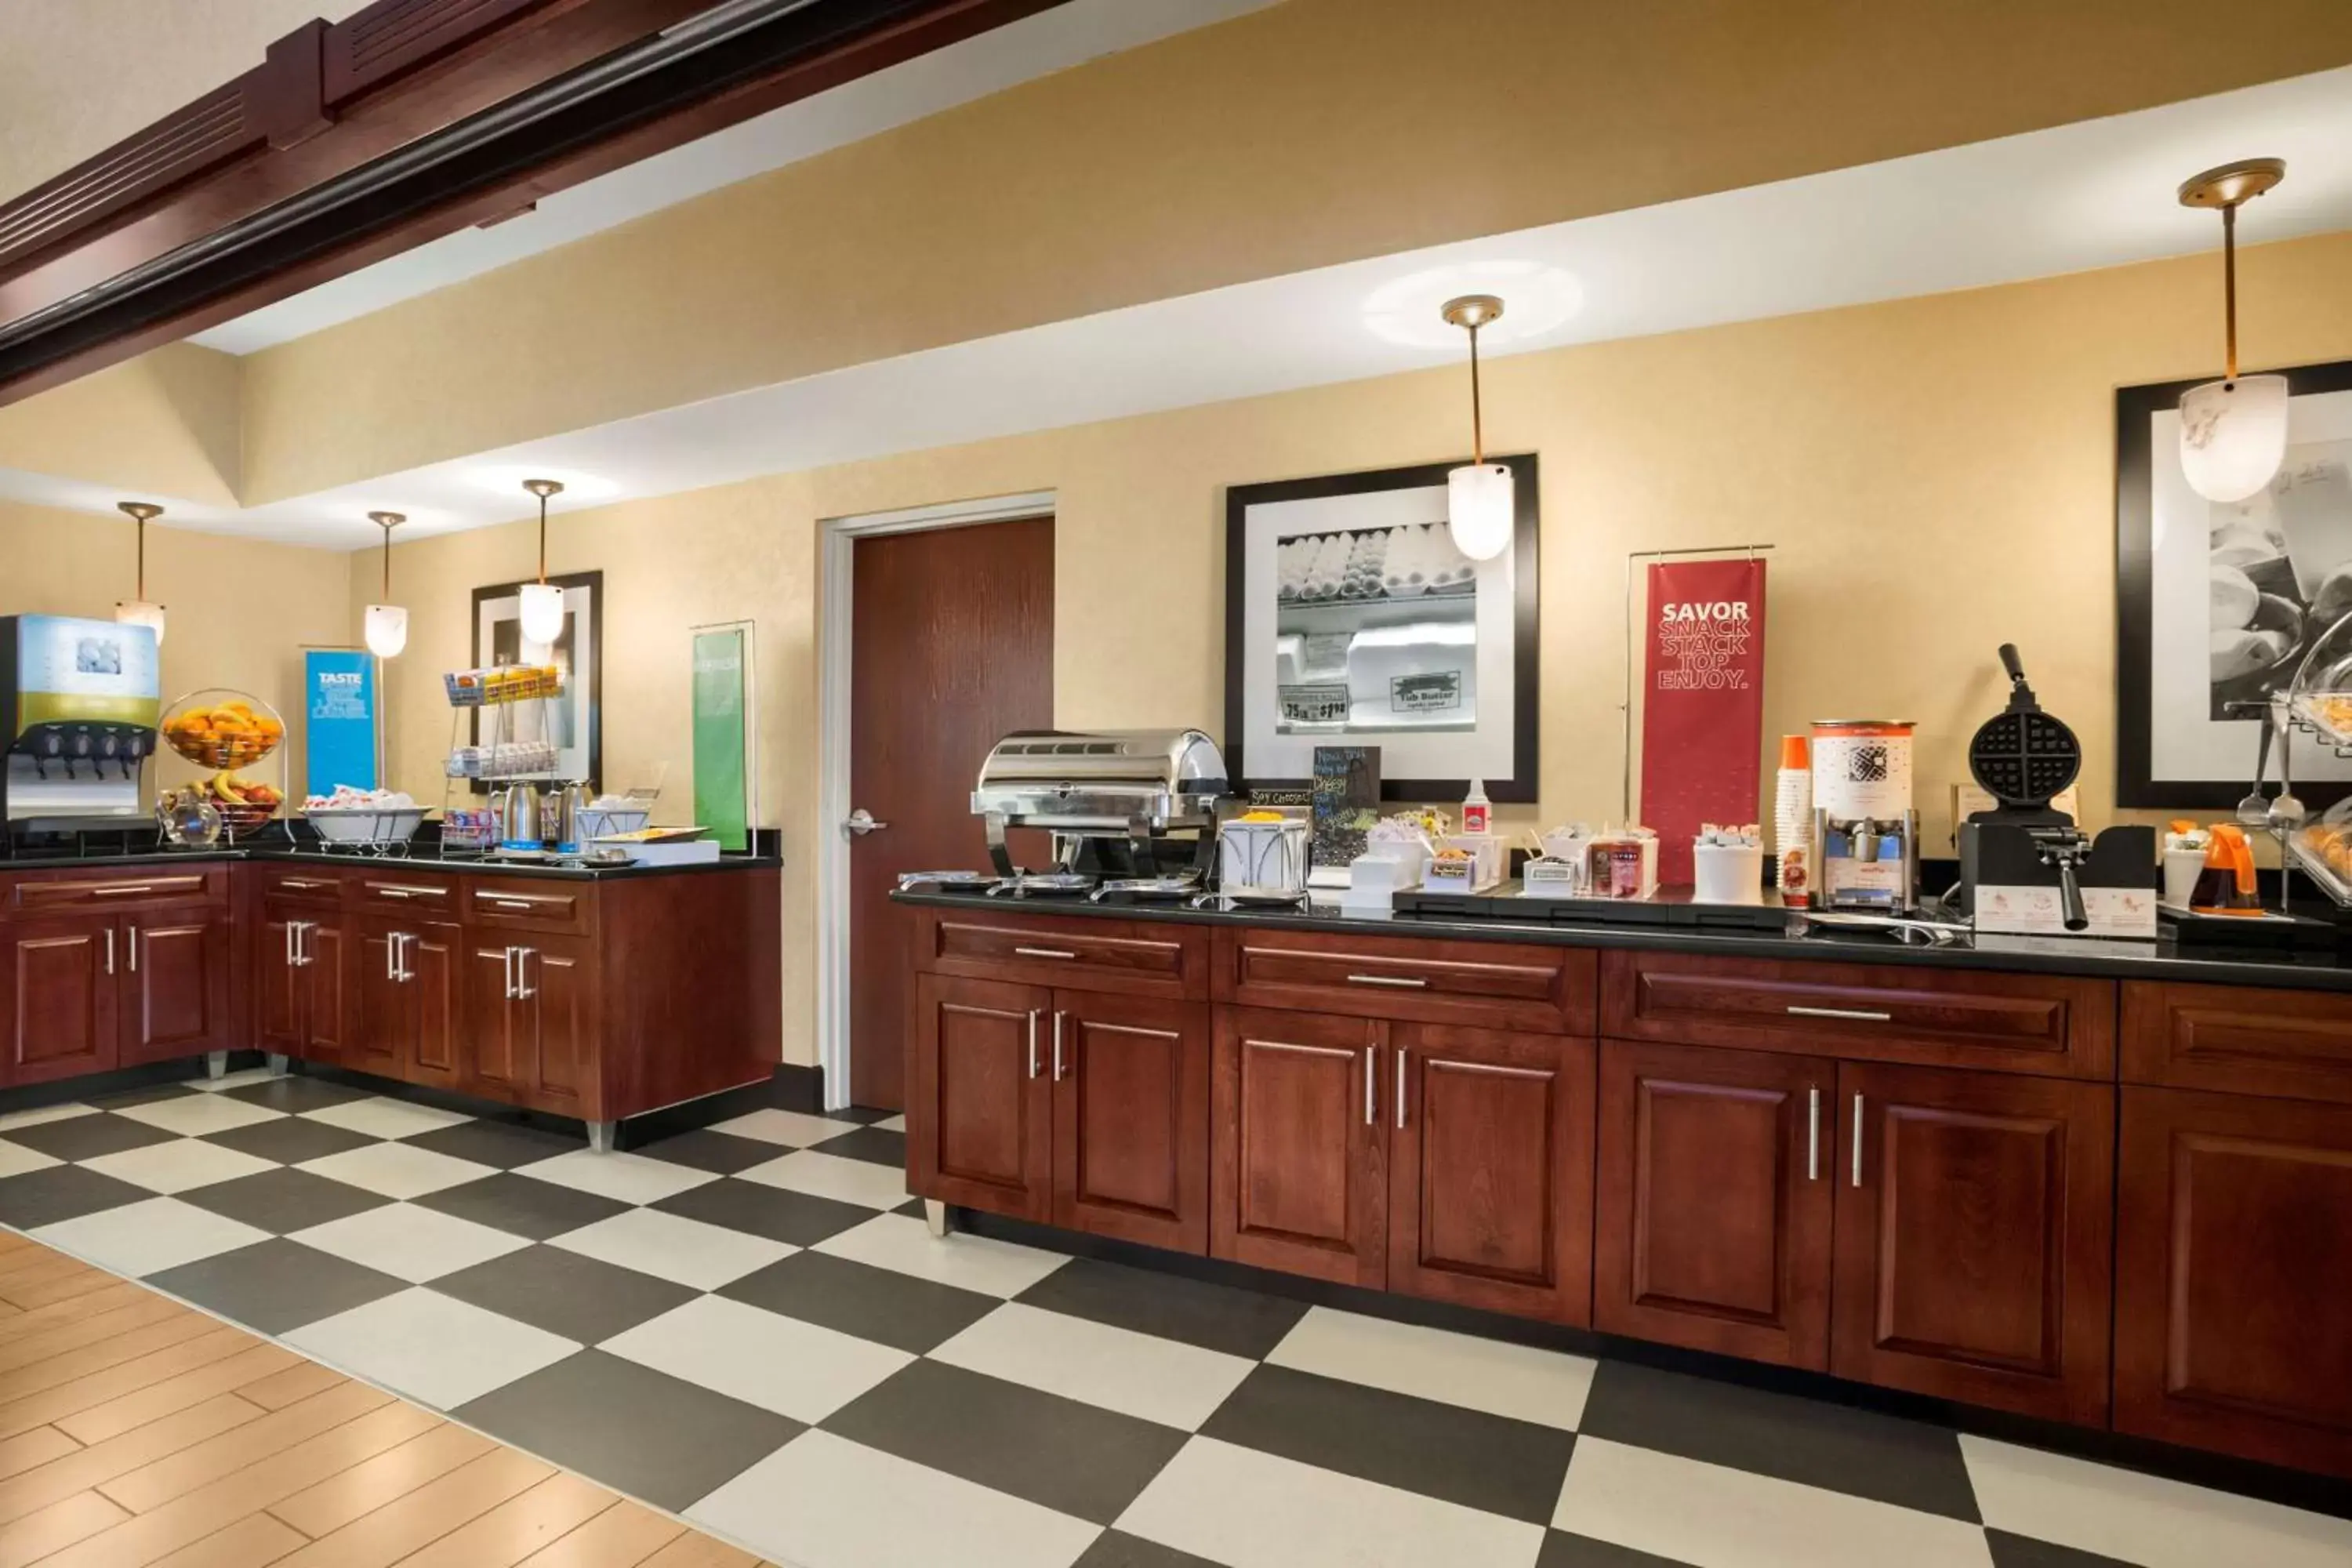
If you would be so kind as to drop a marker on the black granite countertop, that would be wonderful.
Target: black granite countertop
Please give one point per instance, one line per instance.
(2328, 969)
(422, 860)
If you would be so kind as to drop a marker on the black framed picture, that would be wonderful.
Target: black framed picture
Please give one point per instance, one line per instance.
(574, 723)
(1350, 620)
(2217, 605)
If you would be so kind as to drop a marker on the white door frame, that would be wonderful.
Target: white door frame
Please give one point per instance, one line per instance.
(837, 553)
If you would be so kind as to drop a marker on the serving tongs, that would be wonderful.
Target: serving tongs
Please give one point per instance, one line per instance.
(1908, 930)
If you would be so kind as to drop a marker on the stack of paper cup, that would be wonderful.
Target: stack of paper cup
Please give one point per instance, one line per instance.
(1792, 823)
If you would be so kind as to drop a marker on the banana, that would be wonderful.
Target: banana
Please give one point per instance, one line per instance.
(225, 786)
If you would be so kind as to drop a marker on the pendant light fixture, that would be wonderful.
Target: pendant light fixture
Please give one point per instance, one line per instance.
(542, 602)
(2233, 430)
(386, 623)
(1480, 508)
(140, 611)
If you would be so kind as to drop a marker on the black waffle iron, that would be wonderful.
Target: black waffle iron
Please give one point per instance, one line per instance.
(2024, 758)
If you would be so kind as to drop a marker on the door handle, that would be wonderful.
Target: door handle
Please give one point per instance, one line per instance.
(1032, 1042)
(1813, 1134)
(511, 979)
(406, 974)
(1853, 1015)
(299, 930)
(1857, 1140)
(1042, 952)
(109, 950)
(392, 956)
(1406, 981)
(860, 823)
(289, 944)
(1368, 1071)
(131, 935)
(524, 990)
(1400, 1088)
(1057, 1045)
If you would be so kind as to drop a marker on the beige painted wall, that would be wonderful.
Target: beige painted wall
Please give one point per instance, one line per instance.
(239, 610)
(78, 76)
(166, 425)
(1310, 133)
(1937, 473)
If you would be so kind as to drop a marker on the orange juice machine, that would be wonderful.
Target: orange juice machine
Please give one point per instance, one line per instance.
(78, 704)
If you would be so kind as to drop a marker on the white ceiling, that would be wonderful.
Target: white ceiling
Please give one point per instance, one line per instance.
(2092, 194)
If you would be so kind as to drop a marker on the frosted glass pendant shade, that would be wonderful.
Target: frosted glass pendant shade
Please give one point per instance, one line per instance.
(543, 613)
(2234, 435)
(139, 613)
(387, 630)
(1480, 509)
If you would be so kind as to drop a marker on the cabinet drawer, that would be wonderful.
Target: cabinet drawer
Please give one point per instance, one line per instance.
(425, 897)
(1141, 958)
(303, 884)
(2296, 1044)
(2057, 1025)
(1499, 985)
(524, 904)
(127, 887)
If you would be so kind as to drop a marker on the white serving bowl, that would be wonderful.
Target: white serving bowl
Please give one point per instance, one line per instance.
(600, 821)
(366, 824)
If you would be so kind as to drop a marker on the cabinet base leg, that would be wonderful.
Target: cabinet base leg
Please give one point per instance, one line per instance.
(600, 1136)
(215, 1064)
(275, 1061)
(935, 1215)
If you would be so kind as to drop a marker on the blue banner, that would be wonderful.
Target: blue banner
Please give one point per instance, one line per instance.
(338, 703)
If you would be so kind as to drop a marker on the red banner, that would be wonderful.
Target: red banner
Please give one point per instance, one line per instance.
(1703, 703)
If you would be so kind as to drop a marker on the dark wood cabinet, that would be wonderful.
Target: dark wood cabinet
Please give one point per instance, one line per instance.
(277, 998)
(433, 965)
(2232, 1276)
(1490, 1169)
(980, 1109)
(495, 1049)
(382, 1010)
(530, 1022)
(63, 997)
(1716, 1200)
(1296, 1173)
(1974, 1238)
(176, 1000)
(1130, 1077)
(323, 978)
(302, 1001)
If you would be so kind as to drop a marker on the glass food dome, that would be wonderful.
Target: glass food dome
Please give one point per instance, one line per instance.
(2319, 702)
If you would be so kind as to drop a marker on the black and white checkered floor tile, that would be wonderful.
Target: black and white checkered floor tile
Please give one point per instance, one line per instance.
(749, 1327)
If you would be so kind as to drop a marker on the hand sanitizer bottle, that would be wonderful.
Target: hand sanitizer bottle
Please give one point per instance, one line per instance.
(1475, 807)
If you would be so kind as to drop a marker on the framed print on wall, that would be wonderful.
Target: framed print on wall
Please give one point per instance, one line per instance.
(576, 718)
(2216, 604)
(1350, 620)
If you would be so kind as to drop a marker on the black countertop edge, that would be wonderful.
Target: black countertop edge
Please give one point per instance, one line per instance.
(2107, 959)
(302, 856)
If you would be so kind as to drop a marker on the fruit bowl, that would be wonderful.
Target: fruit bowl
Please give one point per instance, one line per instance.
(244, 804)
(220, 729)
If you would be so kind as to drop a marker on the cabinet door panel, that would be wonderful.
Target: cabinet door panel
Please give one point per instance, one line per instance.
(2232, 1276)
(383, 1016)
(1490, 1169)
(1974, 1235)
(558, 985)
(1296, 1173)
(1713, 1221)
(1131, 1118)
(176, 999)
(62, 998)
(277, 994)
(324, 979)
(497, 1047)
(979, 1118)
(433, 957)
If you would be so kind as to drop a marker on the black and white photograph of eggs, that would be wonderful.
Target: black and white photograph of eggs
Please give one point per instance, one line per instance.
(1371, 564)
(2280, 571)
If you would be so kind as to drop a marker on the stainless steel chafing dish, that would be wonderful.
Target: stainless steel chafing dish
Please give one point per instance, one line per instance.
(1132, 785)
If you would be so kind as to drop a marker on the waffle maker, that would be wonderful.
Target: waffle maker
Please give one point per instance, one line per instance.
(2025, 758)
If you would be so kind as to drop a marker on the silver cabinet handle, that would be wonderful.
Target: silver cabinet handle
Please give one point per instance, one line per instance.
(524, 989)
(109, 950)
(860, 823)
(289, 944)
(1857, 1140)
(392, 956)
(1368, 1086)
(302, 884)
(1854, 1014)
(510, 971)
(1407, 982)
(1057, 1045)
(122, 890)
(1399, 1088)
(1813, 1134)
(1041, 952)
(300, 931)
(132, 933)
(406, 974)
(1032, 1042)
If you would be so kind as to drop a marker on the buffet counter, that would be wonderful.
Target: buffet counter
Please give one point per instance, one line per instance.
(598, 994)
(2097, 1184)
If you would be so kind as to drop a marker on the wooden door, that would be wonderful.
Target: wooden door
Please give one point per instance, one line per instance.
(62, 995)
(1130, 1079)
(324, 978)
(1714, 1182)
(1975, 1225)
(1296, 1171)
(496, 1048)
(384, 1011)
(979, 1122)
(554, 981)
(952, 649)
(433, 957)
(2232, 1276)
(1490, 1169)
(276, 993)
(175, 994)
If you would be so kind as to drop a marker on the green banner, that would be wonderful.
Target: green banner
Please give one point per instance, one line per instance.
(721, 729)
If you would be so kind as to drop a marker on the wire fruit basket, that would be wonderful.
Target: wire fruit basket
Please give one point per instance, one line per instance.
(224, 729)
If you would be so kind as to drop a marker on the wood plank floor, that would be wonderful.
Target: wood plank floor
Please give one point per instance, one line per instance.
(136, 1431)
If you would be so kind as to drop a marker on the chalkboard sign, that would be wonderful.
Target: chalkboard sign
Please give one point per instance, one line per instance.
(1347, 802)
